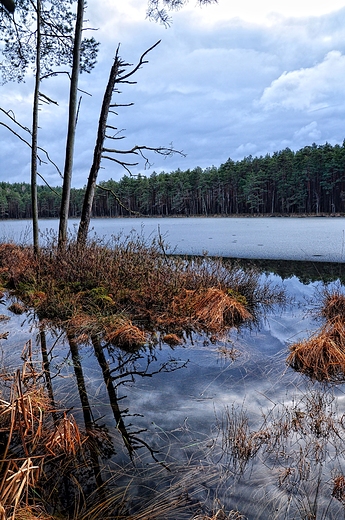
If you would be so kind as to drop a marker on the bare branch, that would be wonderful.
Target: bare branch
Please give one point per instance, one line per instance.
(47, 100)
(141, 62)
(119, 201)
(52, 74)
(13, 119)
(121, 105)
(161, 150)
(115, 137)
(29, 145)
(48, 185)
(121, 163)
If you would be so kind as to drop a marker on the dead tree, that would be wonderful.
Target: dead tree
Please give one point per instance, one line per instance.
(118, 75)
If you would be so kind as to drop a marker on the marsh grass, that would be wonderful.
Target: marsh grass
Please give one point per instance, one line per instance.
(129, 295)
(48, 463)
(135, 281)
(295, 455)
(322, 355)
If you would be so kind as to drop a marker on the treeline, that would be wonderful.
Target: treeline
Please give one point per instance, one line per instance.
(311, 180)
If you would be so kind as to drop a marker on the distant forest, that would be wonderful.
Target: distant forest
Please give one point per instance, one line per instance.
(309, 181)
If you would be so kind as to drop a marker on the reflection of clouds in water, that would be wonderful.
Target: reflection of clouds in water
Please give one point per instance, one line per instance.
(210, 382)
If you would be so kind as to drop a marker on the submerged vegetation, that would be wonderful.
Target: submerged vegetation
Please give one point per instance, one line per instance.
(295, 454)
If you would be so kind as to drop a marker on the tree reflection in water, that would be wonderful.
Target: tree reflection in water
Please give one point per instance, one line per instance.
(279, 458)
(99, 449)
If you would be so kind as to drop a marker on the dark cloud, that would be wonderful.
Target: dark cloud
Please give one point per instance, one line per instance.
(216, 88)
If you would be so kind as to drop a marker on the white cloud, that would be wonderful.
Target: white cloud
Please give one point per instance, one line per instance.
(308, 88)
(310, 132)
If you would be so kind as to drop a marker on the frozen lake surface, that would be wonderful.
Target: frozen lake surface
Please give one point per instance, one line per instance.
(289, 238)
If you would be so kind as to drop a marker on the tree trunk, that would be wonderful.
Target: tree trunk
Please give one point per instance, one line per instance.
(34, 135)
(97, 155)
(73, 103)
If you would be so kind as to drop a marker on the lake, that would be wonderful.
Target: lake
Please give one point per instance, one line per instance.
(289, 238)
(216, 423)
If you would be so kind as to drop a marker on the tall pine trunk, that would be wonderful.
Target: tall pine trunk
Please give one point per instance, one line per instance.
(73, 105)
(34, 133)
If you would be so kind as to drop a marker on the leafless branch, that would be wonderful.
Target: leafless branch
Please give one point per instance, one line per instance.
(121, 105)
(161, 150)
(126, 166)
(46, 99)
(48, 185)
(140, 63)
(139, 150)
(11, 115)
(120, 203)
(41, 161)
(52, 74)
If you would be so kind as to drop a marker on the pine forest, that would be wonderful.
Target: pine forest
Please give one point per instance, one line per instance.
(308, 181)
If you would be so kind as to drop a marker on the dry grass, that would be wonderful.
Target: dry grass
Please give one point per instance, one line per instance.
(172, 339)
(30, 512)
(338, 491)
(66, 438)
(333, 305)
(133, 278)
(221, 515)
(119, 292)
(27, 422)
(239, 442)
(211, 309)
(16, 483)
(126, 336)
(322, 356)
(17, 308)
(298, 450)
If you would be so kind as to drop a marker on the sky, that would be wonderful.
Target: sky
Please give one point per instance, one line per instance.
(227, 81)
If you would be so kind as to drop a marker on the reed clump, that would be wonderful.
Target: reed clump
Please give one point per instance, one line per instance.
(137, 280)
(322, 356)
(126, 336)
(338, 491)
(333, 305)
(33, 439)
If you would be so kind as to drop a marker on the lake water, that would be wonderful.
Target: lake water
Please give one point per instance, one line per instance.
(181, 399)
(312, 239)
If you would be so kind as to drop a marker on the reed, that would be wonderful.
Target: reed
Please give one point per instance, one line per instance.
(322, 355)
(295, 457)
(134, 279)
(127, 336)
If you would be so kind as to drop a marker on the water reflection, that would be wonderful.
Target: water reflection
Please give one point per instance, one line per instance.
(306, 272)
(226, 420)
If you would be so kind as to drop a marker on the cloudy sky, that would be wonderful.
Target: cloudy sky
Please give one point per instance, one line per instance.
(227, 80)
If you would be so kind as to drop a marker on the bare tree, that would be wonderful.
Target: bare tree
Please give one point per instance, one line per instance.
(41, 35)
(34, 134)
(118, 75)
